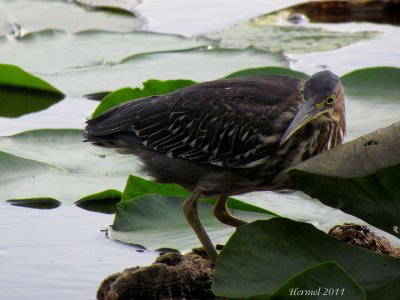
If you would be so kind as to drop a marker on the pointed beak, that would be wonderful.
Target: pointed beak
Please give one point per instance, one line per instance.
(307, 112)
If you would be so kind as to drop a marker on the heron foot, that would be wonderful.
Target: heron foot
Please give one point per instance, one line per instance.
(221, 212)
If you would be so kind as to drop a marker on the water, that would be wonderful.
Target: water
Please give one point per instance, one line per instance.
(59, 254)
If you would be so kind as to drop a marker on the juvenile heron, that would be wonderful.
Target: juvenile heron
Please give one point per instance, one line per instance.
(227, 137)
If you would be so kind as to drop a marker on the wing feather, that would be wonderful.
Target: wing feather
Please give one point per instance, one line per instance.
(206, 123)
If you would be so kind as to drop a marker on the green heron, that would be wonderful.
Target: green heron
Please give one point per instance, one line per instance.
(227, 137)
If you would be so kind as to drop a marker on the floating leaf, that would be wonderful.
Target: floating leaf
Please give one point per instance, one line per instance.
(266, 71)
(13, 76)
(262, 35)
(262, 256)
(137, 187)
(157, 222)
(56, 164)
(54, 51)
(198, 65)
(124, 5)
(150, 87)
(373, 83)
(66, 16)
(373, 100)
(360, 178)
(22, 93)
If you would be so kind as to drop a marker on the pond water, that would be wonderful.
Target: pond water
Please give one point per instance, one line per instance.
(63, 253)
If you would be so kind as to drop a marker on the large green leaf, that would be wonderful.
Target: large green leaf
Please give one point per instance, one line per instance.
(198, 65)
(268, 71)
(150, 214)
(372, 99)
(137, 187)
(263, 35)
(150, 87)
(260, 257)
(56, 164)
(22, 93)
(373, 83)
(42, 14)
(324, 281)
(157, 222)
(360, 178)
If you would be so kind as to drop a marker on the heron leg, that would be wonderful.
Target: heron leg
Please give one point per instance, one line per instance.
(192, 216)
(222, 213)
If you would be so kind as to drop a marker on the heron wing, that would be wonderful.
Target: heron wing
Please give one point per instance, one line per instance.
(228, 122)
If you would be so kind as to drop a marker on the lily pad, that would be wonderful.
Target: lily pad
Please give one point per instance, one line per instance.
(373, 83)
(150, 215)
(266, 71)
(324, 281)
(22, 93)
(198, 65)
(360, 178)
(150, 87)
(137, 187)
(125, 5)
(66, 16)
(262, 256)
(373, 100)
(54, 51)
(263, 35)
(157, 222)
(54, 163)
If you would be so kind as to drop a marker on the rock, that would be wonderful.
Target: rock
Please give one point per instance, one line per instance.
(171, 276)
(362, 236)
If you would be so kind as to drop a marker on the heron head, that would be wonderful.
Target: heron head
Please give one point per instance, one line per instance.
(322, 96)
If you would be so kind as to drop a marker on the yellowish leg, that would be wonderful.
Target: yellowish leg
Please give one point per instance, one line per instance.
(222, 213)
(192, 216)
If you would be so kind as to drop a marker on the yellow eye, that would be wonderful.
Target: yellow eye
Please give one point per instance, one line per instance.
(330, 99)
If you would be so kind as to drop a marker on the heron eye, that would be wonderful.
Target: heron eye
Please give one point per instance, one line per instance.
(330, 99)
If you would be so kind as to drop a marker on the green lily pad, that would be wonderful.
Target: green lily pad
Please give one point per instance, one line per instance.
(54, 163)
(266, 71)
(22, 93)
(37, 203)
(198, 65)
(373, 83)
(66, 16)
(324, 281)
(157, 222)
(373, 100)
(124, 5)
(137, 187)
(13, 76)
(262, 35)
(150, 87)
(360, 178)
(262, 256)
(54, 51)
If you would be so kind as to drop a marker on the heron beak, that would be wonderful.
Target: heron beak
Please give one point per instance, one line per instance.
(308, 111)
